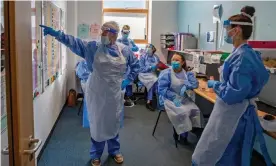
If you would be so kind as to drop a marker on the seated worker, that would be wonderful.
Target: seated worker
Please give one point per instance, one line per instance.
(82, 73)
(147, 74)
(128, 42)
(174, 85)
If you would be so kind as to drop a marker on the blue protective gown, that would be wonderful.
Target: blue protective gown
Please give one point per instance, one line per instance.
(244, 76)
(87, 50)
(130, 43)
(164, 84)
(82, 73)
(134, 48)
(146, 61)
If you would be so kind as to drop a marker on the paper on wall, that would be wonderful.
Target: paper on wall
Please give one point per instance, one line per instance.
(95, 31)
(83, 31)
(210, 36)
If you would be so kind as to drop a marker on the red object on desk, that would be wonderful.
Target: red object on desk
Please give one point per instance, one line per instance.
(262, 44)
(162, 66)
(171, 48)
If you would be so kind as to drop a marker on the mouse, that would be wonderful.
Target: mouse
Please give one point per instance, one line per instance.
(269, 117)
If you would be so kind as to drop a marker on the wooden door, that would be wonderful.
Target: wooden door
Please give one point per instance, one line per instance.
(18, 64)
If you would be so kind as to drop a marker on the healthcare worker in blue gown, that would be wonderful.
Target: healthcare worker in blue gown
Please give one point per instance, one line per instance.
(147, 74)
(130, 43)
(233, 126)
(104, 98)
(175, 86)
(83, 73)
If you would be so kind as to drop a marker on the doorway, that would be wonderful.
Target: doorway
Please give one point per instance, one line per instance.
(17, 125)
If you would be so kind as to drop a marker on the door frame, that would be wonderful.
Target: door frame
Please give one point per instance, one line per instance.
(19, 81)
(8, 79)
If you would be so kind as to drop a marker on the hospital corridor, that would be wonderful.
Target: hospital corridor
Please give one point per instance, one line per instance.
(138, 83)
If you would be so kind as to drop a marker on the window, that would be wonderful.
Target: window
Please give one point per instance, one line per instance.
(133, 13)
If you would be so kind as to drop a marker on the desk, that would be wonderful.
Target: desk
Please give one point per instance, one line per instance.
(211, 96)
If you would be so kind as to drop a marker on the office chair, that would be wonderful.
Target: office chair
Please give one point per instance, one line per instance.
(161, 109)
(140, 94)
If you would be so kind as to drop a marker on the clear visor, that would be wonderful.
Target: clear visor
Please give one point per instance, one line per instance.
(227, 25)
(149, 46)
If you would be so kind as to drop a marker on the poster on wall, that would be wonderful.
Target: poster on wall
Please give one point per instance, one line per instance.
(83, 31)
(210, 36)
(95, 31)
(51, 47)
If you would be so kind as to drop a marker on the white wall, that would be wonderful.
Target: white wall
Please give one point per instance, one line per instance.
(193, 12)
(80, 12)
(91, 11)
(48, 105)
(164, 19)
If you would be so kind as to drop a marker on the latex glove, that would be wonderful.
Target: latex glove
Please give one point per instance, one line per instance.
(125, 83)
(134, 49)
(177, 102)
(49, 31)
(183, 90)
(153, 68)
(211, 83)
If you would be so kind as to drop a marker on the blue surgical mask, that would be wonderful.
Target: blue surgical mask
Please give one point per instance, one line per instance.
(228, 39)
(149, 51)
(175, 65)
(105, 40)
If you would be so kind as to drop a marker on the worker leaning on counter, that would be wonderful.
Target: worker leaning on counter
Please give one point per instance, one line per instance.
(229, 136)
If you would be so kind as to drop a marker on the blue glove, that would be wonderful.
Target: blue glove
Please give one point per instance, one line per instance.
(134, 49)
(183, 90)
(153, 68)
(49, 31)
(177, 102)
(125, 83)
(211, 83)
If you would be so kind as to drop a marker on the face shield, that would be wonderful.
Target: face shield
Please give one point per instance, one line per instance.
(226, 28)
(107, 30)
(107, 34)
(125, 33)
(149, 49)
